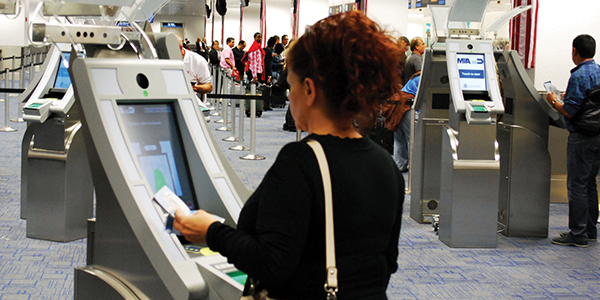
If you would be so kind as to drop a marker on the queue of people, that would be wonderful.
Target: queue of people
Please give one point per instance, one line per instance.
(279, 241)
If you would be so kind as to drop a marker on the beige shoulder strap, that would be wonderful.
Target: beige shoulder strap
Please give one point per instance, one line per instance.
(331, 285)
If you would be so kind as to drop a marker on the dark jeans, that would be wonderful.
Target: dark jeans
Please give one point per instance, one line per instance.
(583, 162)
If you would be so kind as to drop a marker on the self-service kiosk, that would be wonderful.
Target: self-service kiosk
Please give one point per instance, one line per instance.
(430, 115)
(143, 131)
(470, 158)
(525, 164)
(56, 183)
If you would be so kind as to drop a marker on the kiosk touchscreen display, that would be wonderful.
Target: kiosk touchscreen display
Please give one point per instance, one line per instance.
(471, 69)
(156, 140)
(63, 81)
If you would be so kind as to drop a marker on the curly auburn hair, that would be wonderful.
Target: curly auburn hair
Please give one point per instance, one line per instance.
(352, 60)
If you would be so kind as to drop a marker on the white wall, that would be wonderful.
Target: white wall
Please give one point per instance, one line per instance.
(278, 21)
(392, 15)
(13, 29)
(194, 26)
(559, 22)
(311, 11)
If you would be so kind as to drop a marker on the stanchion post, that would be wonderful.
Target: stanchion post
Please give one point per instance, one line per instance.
(232, 90)
(253, 155)
(22, 72)
(224, 105)
(240, 146)
(6, 127)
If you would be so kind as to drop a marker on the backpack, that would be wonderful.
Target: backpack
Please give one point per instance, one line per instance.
(587, 119)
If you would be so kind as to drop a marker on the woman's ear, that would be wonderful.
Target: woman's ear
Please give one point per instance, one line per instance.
(310, 90)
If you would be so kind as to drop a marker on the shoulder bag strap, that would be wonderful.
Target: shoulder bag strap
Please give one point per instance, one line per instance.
(331, 286)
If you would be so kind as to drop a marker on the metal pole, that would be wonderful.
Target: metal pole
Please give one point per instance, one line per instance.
(22, 72)
(240, 146)
(6, 127)
(224, 105)
(19, 117)
(220, 91)
(252, 155)
(12, 73)
(232, 90)
(215, 108)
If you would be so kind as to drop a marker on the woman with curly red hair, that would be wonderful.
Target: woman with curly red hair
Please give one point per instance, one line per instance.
(340, 70)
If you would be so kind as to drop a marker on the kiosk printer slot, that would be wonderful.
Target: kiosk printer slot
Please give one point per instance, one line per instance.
(143, 132)
(470, 160)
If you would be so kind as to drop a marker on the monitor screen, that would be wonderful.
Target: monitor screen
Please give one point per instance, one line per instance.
(155, 138)
(471, 69)
(63, 81)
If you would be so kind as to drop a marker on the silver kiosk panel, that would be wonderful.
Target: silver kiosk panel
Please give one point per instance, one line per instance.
(143, 130)
(56, 183)
(525, 164)
(430, 115)
(470, 159)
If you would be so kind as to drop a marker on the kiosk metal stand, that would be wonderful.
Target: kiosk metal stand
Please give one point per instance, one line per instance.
(430, 115)
(525, 164)
(470, 159)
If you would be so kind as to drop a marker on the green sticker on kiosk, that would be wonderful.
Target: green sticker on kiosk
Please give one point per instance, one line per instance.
(479, 108)
(35, 105)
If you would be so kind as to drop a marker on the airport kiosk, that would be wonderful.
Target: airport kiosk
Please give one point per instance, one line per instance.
(470, 158)
(143, 131)
(525, 164)
(56, 183)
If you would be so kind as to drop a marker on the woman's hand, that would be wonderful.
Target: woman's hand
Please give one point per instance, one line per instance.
(194, 227)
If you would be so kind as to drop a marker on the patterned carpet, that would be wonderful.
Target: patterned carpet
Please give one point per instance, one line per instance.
(519, 268)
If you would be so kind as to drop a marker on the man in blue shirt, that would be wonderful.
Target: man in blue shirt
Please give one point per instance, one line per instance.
(397, 119)
(583, 151)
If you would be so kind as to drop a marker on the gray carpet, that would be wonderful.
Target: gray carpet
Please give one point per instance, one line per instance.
(521, 268)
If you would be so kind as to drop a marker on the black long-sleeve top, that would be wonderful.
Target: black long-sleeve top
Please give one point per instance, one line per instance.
(280, 237)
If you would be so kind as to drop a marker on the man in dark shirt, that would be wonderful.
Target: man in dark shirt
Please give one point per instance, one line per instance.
(415, 60)
(238, 53)
(583, 151)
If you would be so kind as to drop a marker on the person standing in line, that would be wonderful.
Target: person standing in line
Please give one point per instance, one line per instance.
(280, 236)
(197, 68)
(583, 150)
(415, 60)
(202, 48)
(397, 114)
(254, 60)
(404, 44)
(238, 54)
(214, 54)
(227, 59)
(285, 41)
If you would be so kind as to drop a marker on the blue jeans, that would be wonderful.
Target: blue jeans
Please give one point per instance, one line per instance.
(402, 142)
(583, 162)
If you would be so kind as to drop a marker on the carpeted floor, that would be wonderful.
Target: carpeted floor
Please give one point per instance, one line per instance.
(521, 268)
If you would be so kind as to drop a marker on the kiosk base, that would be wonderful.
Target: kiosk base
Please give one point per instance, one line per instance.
(92, 283)
(59, 184)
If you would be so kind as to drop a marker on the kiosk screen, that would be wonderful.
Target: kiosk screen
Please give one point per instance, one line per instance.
(63, 81)
(471, 69)
(156, 140)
